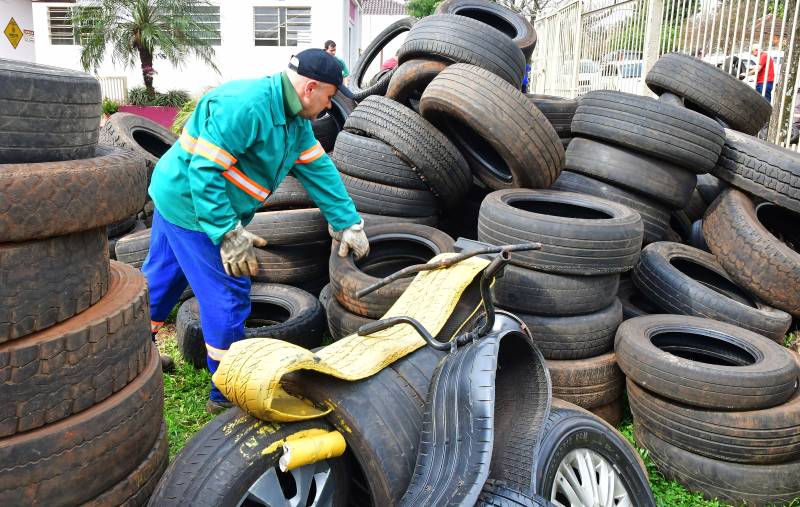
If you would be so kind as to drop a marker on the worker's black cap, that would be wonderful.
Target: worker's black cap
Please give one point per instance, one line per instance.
(316, 64)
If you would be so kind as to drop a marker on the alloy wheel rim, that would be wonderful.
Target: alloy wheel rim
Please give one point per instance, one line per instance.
(310, 485)
(586, 479)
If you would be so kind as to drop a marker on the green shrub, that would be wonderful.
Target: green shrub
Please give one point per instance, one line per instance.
(137, 96)
(183, 116)
(173, 98)
(110, 107)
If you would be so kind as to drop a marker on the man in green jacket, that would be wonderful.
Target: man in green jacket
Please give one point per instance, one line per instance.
(330, 48)
(239, 144)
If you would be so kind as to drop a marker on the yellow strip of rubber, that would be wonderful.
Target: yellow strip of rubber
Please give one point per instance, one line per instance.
(299, 452)
(250, 373)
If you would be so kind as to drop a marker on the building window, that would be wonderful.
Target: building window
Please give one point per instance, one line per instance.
(208, 17)
(60, 22)
(282, 26)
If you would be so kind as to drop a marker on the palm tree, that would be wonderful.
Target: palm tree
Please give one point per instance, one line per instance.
(140, 29)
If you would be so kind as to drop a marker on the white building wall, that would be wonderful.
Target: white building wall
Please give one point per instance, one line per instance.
(371, 26)
(236, 58)
(21, 11)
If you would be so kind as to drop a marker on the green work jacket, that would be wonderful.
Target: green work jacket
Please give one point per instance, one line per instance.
(239, 144)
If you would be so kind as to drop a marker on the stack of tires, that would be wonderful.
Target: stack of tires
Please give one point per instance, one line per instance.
(392, 248)
(715, 405)
(566, 292)
(80, 379)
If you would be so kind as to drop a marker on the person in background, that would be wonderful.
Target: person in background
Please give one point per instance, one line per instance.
(764, 70)
(389, 64)
(330, 48)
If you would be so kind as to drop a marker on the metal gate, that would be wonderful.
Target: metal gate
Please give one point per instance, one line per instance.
(611, 44)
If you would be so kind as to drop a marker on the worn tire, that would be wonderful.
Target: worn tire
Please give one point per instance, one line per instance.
(696, 238)
(437, 161)
(372, 197)
(506, 140)
(683, 280)
(588, 383)
(459, 39)
(574, 336)
(290, 194)
(411, 78)
(53, 198)
(705, 363)
(728, 482)
(373, 160)
(135, 133)
(373, 49)
(761, 169)
(695, 208)
(770, 435)
(757, 246)
(277, 311)
(341, 323)
(222, 460)
(558, 111)
(677, 135)
(581, 234)
(648, 176)
(392, 247)
(497, 493)
(370, 219)
(330, 122)
(540, 293)
(292, 264)
(634, 303)
(51, 113)
(655, 216)
(96, 448)
(48, 281)
(517, 27)
(709, 187)
(710, 90)
(290, 227)
(612, 413)
(569, 428)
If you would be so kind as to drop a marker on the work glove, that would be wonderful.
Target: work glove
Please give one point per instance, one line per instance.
(238, 254)
(352, 238)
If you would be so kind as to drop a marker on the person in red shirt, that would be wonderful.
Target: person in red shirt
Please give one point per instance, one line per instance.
(765, 70)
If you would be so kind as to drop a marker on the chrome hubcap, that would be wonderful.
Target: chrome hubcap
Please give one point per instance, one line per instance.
(586, 479)
(310, 485)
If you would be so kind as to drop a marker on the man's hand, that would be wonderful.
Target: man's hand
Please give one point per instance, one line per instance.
(238, 254)
(352, 238)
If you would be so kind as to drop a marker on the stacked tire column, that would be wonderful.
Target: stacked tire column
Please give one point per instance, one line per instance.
(81, 396)
(566, 292)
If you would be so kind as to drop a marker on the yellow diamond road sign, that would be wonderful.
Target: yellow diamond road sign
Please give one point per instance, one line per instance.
(13, 32)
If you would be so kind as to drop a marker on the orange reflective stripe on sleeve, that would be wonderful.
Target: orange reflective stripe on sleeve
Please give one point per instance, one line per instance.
(215, 353)
(247, 185)
(310, 155)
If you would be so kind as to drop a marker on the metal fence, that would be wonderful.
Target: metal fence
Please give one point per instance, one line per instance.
(611, 44)
(114, 88)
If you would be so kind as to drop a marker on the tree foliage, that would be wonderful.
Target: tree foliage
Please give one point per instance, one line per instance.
(139, 29)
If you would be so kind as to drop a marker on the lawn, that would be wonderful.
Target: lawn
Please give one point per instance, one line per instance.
(186, 392)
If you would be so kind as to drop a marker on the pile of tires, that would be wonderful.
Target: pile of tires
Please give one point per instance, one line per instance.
(566, 292)
(81, 381)
(715, 405)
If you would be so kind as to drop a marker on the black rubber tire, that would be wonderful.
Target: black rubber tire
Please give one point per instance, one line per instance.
(666, 183)
(581, 234)
(558, 111)
(380, 416)
(331, 121)
(459, 39)
(739, 484)
(506, 140)
(50, 113)
(373, 49)
(53, 198)
(124, 226)
(370, 219)
(290, 194)
(761, 169)
(758, 246)
(278, 311)
(770, 435)
(95, 449)
(219, 464)
(290, 227)
(437, 161)
(655, 216)
(677, 135)
(372, 197)
(612, 413)
(392, 247)
(50, 280)
(146, 138)
(373, 160)
(73, 365)
(705, 363)
(681, 225)
(695, 208)
(498, 494)
(537, 292)
(710, 90)
(341, 323)
(588, 383)
(634, 303)
(411, 78)
(516, 26)
(697, 239)
(569, 428)
(683, 280)
(292, 264)
(709, 187)
(574, 336)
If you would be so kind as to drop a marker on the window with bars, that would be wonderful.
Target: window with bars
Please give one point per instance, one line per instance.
(208, 17)
(282, 26)
(59, 20)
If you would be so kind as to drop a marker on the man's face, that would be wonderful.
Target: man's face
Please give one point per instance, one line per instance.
(316, 97)
(331, 50)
